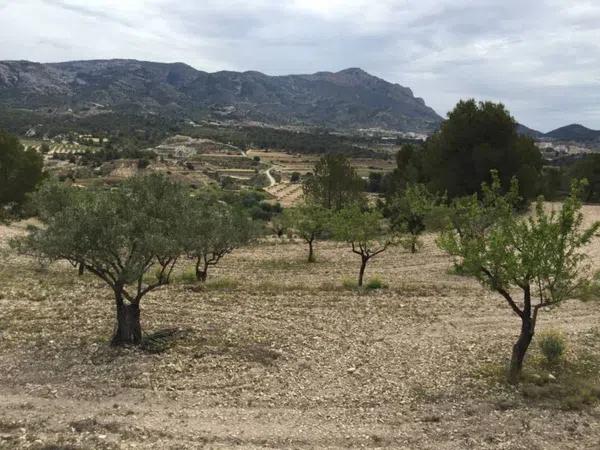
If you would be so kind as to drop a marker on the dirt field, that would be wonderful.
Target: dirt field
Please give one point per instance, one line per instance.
(276, 353)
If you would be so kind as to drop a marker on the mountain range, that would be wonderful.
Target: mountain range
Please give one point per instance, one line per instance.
(348, 99)
(345, 100)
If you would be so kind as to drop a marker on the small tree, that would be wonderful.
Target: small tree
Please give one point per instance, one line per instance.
(365, 231)
(309, 222)
(213, 230)
(410, 211)
(542, 255)
(118, 235)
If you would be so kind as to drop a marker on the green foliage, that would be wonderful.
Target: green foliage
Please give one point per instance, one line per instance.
(119, 235)
(365, 231)
(334, 183)
(503, 250)
(552, 343)
(315, 142)
(541, 254)
(310, 222)
(21, 171)
(409, 170)
(410, 211)
(213, 229)
(349, 284)
(588, 168)
(374, 284)
(478, 138)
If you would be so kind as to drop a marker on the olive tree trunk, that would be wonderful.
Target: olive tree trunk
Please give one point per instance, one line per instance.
(128, 329)
(201, 270)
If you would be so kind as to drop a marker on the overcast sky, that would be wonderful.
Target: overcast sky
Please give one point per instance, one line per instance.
(539, 57)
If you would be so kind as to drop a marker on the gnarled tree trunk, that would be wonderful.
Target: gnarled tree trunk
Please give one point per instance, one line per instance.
(128, 329)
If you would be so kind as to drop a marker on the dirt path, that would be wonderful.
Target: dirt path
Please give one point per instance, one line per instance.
(272, 181)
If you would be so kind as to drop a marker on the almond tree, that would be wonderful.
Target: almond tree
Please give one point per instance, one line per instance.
(310, 222)
(118, 235)
(365, 231)
(540, 255)
(410, 211)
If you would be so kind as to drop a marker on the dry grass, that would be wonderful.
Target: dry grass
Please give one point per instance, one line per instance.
(275, 352)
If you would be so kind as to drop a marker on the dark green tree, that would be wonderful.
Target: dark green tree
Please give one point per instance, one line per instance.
(20, 171)
(478, 138)
(588, 168)
(334, 183)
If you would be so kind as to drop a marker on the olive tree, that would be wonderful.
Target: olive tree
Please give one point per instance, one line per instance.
(410, 211)
(119, 235)
(541, 254)
(310, 222)
(214, 229)
(365, 231)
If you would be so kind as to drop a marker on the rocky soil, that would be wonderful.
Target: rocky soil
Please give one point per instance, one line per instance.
(277, 353)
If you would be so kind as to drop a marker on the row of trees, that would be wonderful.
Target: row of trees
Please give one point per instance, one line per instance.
(541, 254)
(132, 237)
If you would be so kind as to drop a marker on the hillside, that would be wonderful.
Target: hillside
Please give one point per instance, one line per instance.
(347, 99)
(574, 132)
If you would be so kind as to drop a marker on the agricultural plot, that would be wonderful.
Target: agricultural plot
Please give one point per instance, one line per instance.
(60, 148)
(274, 352)
(288, 194)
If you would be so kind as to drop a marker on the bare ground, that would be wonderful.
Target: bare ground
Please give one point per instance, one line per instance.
(276, 353)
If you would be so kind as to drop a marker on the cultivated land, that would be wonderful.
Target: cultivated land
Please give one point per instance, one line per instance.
(274, 352)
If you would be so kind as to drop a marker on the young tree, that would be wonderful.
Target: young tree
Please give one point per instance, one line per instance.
(20, 171)
(309, 222)
(118, 235)
(542, 254)
(213, 230)
(410, 211)
(365, 231)
(334, 184)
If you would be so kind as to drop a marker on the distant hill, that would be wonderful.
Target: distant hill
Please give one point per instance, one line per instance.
(348, 99)
(574, 132)
(526, 131)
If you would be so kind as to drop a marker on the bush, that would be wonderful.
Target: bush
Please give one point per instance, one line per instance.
(349, 283)
(375, 283)
(552, 343)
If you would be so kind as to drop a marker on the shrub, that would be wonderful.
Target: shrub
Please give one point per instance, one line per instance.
(552, 344)
(349, 283)
(375, 283)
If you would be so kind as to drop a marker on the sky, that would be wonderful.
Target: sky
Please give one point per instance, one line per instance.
(541, 58)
